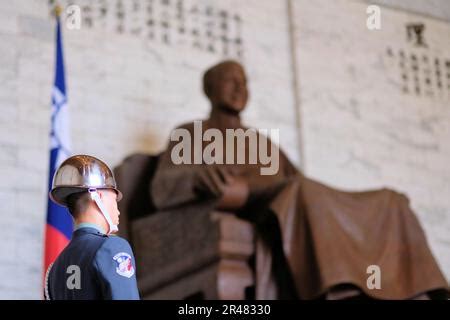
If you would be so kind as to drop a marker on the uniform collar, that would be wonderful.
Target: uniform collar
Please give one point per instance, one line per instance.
(89, 225)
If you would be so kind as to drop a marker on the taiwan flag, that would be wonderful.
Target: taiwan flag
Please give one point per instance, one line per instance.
(59, 221)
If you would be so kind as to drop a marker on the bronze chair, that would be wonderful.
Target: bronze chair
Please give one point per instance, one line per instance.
(182, 253)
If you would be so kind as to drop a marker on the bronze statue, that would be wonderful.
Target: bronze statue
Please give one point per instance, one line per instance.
(313, 239)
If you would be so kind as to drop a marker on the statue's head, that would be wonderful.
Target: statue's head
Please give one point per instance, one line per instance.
(225, 85)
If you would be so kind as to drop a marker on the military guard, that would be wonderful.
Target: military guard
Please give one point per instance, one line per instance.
(95, 264)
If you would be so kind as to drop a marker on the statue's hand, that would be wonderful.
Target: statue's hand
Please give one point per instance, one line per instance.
(235, 193)
(225, 184)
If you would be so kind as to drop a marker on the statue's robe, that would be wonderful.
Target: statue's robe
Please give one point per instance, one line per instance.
(328, 237)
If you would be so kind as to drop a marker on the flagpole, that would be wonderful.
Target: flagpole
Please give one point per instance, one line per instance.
(57, 10)
(59, 223)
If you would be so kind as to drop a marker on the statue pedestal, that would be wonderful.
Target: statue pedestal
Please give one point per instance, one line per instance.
(186, 254)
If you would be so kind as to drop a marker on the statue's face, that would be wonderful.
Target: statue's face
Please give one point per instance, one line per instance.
(229, 88)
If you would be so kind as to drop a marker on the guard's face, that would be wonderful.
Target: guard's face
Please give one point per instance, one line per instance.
(109, 198)
(229, 88)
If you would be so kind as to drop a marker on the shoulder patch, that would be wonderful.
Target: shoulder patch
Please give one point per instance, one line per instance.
(124, 265)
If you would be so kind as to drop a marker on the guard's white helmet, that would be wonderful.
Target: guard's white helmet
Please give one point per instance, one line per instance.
(81, 173)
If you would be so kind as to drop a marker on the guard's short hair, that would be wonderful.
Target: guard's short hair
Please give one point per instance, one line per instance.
(78, 203)
(209, 74)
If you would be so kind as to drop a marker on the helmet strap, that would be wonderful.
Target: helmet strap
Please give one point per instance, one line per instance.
(96, 197)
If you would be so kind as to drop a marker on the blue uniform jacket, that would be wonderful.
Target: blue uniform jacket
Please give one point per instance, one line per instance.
(93, 266)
